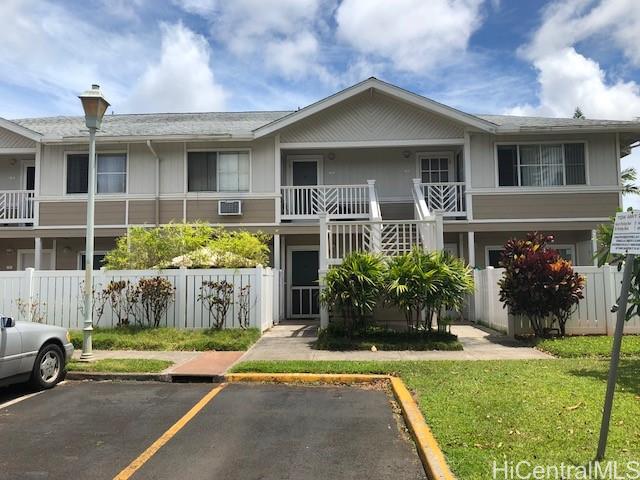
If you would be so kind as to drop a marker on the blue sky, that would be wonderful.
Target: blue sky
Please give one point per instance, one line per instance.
(491, 56)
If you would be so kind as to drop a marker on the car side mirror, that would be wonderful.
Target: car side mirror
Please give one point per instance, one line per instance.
(7, 322)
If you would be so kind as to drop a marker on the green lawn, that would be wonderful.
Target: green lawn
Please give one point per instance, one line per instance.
(590, 347)
(543, 411)
(387, 340)
(129, 338)
(120, 365)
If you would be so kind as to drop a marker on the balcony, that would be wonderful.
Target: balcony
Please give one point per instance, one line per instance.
(445, 198)
(336, 201)
(16, 207)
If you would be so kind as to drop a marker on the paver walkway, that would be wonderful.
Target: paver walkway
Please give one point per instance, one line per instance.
(293, 341)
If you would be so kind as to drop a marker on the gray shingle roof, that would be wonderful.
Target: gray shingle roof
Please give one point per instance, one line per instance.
(243, 123)
(156, 124)
(517, 122)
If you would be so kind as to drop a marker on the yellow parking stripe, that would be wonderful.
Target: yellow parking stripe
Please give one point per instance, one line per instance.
(166, 436)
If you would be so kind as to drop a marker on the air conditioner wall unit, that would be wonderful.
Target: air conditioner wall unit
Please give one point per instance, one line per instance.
(229, 207)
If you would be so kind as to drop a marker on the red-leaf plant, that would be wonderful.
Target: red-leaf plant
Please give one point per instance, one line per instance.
(538, 283)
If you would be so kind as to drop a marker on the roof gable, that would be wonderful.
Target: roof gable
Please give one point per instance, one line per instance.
(18, 131)
(387, 89)
(371, 116)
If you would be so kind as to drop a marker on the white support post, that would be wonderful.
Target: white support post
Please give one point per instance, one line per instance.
(467, 175)
(324, 263)
(277, 259)
(278, 177)
(181, 295)
(36, 186)
(37, 249)
(594, 247)
(439, 233)
(471, 245)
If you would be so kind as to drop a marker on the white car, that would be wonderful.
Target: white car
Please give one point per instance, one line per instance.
(33, 352)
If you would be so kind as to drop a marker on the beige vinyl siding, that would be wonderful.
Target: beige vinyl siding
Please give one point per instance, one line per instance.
(601, 154)
(262, 160)
(371, 116)
(142, 169)
(253, 211)
(9, 139)
(12, 170)
(171, 211)
(392, 171)
(53, 165)
(548, 205)
(498, 226)
(75, 213)
(142, 212)
(68, 250)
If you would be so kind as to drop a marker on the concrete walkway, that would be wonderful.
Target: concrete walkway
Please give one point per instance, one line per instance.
(293, 341)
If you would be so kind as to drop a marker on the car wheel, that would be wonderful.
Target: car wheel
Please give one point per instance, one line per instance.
(49, 368)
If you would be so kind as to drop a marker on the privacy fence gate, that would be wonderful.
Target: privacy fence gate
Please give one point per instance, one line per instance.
(56, 297)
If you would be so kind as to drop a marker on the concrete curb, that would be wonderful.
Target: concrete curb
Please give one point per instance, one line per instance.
(429, 451)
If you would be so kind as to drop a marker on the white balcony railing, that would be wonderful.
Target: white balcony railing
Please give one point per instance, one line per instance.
(445, 198)
(388, 238)
(16, 206)
(336, 201)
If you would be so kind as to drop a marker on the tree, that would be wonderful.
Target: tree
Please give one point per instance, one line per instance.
(628, 176)
(578, 114)
(538, 283)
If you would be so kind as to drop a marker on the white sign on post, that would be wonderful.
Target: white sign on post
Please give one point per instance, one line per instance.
(626, 233)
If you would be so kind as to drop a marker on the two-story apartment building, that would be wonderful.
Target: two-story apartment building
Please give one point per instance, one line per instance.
(373, 166)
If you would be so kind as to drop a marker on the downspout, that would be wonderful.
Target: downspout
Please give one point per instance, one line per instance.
(157, 188)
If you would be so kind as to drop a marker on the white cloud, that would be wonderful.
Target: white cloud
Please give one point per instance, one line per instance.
(292, 56)
(413, 35)
(569, 78)
(198, 7)
(182, 80)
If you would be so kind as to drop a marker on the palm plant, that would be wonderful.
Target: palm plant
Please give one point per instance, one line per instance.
(354, 288)
(629, 176)
(456, 284)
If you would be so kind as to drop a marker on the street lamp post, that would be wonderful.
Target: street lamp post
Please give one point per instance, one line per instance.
(95, 106)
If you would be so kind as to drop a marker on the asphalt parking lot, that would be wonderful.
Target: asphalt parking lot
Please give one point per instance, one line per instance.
(242, 431)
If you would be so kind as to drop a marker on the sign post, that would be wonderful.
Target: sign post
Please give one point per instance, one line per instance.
(626, 241)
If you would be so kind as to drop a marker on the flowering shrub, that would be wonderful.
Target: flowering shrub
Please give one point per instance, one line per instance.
(538, 283)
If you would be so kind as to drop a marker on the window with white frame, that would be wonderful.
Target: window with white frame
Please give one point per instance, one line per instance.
(218, 171)
(541, 164)
(493, 253)
(111, 173)
(435, 169)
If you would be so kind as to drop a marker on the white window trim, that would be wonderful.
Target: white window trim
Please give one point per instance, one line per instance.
(553, 246)
(548, 187)
(101, 152)
(319, 159)
(448, 154)
(216, 150)
(82, 252)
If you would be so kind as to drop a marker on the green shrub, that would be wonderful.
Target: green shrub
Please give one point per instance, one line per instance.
(354, 287)
(190, 245)
(430, 282)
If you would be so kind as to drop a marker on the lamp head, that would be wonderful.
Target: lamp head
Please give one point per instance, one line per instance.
(94, 105)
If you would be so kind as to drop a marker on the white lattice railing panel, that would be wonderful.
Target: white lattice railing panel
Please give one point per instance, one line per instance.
(445, 198)
(387, 238)
(16, 206)
(337, 201)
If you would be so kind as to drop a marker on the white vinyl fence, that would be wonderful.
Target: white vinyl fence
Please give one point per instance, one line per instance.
(56, 296)
(592, 317)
